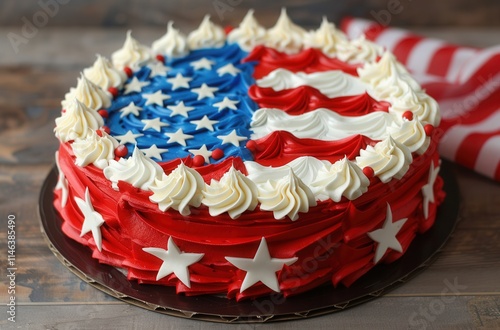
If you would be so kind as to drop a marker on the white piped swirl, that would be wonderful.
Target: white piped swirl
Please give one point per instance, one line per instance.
(103, 74)
(172, 44)
(132, 54)
(359, 50)
(234, 194)
(138, 170)
(77, 122)
(327, 38)
(88, 93)
(248, 34)
(94, 149)
(207, 35)
(410, 133)
(179, 190)
(285, 36)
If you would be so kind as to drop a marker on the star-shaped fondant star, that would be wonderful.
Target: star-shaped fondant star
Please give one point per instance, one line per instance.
(92, 220)
(179, 81)
(155, 124)
(158, 69)
(128, 137)
(226, 103)
(205, 122)
(232, 138)
(62, 182)
(156, 98)
(228, 69)
(135, 85)
(386, 236)
(178, 137)
(174, 261)
(202, 63)
(204, 91)
(428, 189)
(261, 268)
(180, 109)
(203, 151)
(131, 108)
(154, 152)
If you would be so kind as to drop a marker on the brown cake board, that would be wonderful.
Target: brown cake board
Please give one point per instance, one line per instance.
(323, 300)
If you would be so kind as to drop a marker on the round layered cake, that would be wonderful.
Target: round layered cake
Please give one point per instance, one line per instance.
(249, 161)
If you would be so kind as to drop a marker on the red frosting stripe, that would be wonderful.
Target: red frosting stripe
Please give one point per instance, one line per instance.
(309, 60)
(303, 99)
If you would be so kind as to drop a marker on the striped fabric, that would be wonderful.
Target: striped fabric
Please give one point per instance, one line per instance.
(464, 80)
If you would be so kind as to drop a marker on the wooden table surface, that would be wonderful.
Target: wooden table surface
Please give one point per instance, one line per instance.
(48, 296)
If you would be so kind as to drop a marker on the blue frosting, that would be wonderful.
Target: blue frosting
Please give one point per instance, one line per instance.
(232, 87)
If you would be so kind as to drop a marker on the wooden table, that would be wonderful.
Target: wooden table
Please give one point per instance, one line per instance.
(48, 296)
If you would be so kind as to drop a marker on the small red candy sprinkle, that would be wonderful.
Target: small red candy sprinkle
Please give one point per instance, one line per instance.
(99, 132)
(408, 115)
(128, 71)
(369, 172)
(160, 58)
(63, 111)
(428, 129)
(228, 28)
(217, 154)
(198, 160)
(106, 129)
(104, 113)
(113, 91)
(121, 151)
(252, 145)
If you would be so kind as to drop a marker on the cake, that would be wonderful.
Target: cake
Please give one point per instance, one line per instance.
(249, 161)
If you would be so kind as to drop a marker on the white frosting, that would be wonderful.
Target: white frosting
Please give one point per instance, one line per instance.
(334, 83)
(207, 35)
(388, 159)
(286, 197)
(249, 34)
(179, 190)
(138, 170)
(132, 54)
(285, 36)
(326, 38)
(359, 50)
(172, 44)
(104, 75)
(94, 149)
(423, 107)
(411, 134)
(77, 121)
(234, 194)
(320, 124)
(343, 178)
(88, 93)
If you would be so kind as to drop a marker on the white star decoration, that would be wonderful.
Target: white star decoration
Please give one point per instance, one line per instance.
(155, 124)
(92, 220)
(135, 85)
(203, 151)
(204, 91)
(131, 108)
(428, 189)
(158, 69)
(179, 81)
(202, 63)
(154, 152)
(180, 109)
(174, 261)
(204, 122)
(128, 137)
(178, 137)
(156, 98)
(232, 138)
(226, 103)
(62, 182)
(261, 268)
(386, 236)
(228, 69)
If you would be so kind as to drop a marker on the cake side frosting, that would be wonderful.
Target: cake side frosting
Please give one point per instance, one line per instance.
(303, 147)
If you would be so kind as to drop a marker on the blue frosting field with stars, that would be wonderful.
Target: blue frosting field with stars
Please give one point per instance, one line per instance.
(188, 106)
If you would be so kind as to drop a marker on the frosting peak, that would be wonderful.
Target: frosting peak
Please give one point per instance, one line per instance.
(248, 34)
(103, 74)
(77, 121)
(326, 38)
(285, 36)
(88, 93)
(94, 149)
(207, 35)
(172, 44)
(132, 54)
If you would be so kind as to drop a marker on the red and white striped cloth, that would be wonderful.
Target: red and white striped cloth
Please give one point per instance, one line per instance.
(464, 80)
